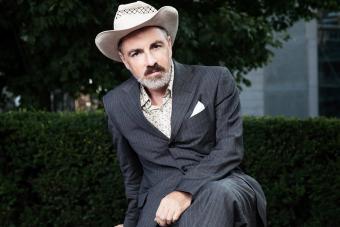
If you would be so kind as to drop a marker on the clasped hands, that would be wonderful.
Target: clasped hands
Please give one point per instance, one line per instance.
(171, 207)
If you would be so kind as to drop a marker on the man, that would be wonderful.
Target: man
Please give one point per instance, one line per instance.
(177, 130)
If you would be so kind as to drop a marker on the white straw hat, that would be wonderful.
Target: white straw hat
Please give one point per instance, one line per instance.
(131, 17)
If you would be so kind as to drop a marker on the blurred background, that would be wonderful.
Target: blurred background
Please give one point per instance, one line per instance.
(57, 163)
(284, 54)
(303, 77)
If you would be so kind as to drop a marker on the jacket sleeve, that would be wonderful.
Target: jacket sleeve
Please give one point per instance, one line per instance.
(227, 154)
(131, 170)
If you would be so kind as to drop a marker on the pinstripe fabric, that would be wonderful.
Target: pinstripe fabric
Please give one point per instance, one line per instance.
(227, 202)
(202, 150)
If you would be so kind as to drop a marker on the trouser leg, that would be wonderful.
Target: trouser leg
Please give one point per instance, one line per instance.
(229, 202)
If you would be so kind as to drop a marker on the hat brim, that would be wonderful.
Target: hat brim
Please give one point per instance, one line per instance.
(107, 41)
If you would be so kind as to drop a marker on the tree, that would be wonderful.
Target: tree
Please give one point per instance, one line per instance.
(49, 45)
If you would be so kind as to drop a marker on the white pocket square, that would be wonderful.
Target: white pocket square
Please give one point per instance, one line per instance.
(198, 108)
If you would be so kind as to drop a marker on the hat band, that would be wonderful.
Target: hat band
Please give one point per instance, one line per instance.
(132, 20)
(136, 10)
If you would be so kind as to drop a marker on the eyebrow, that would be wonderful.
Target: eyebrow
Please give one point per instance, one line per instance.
(157, 42)
(134, 50)
(138, 50)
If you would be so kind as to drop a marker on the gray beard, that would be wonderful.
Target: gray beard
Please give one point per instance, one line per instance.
(156, 82)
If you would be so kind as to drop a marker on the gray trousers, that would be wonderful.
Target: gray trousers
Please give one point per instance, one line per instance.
(229, 202)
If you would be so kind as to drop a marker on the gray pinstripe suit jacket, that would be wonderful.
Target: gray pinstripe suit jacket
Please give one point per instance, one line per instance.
(202, 148)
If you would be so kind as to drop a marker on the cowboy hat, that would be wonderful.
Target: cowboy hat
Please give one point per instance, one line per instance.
(131, 17)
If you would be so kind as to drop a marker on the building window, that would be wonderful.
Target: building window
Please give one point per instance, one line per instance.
(329, 64)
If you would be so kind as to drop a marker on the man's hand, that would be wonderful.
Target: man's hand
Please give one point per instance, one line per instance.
(171, 207)
(120, 225)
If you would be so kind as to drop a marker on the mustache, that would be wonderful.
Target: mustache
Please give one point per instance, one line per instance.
(154, 68)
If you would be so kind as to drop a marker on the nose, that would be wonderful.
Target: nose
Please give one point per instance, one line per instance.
(150, 59)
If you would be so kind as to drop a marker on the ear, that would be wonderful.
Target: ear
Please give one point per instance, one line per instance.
(124, 60)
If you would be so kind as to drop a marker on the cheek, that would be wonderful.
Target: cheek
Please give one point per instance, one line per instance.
(164, 57)
(138, 70)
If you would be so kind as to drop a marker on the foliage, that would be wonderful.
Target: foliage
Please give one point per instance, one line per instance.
(49, 45)
(296, 161)
(60, 170)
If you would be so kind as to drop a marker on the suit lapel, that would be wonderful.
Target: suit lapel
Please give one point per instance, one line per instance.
(131, 104)
(183, 93)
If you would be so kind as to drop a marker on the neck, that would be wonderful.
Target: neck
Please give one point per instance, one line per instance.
(156, 95)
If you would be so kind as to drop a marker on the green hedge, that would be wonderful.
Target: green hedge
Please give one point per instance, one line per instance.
(59, 169)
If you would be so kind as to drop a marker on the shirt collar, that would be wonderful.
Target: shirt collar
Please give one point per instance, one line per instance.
(144, 97)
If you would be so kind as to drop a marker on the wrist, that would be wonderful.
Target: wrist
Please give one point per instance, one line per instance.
(185, 194)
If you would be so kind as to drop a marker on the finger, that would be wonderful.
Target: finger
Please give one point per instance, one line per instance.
(161, 222)
(161, 214)
(169, 216)
(159, 211)
(176, 216)
(158, 220)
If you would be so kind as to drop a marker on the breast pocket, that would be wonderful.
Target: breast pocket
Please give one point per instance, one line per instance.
(199, 125)
(198, 120)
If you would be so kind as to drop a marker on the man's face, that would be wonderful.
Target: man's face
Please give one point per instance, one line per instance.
(147, 54)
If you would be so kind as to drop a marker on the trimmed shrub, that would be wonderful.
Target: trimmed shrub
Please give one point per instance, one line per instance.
(297, 163)
(59, 169)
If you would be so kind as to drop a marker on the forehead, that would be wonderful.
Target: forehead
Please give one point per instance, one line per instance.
(144, 36)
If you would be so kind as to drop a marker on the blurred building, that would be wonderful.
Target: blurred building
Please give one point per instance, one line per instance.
(303, 78)
(86, 103)
(61, 101)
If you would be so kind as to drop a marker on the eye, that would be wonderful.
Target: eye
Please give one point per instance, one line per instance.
(134, 54)
(156, 46)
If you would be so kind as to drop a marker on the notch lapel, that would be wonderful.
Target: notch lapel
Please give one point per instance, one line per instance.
(183, 93)
(132, 107)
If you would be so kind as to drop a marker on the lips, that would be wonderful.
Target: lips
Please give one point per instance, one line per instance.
(153, 73)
